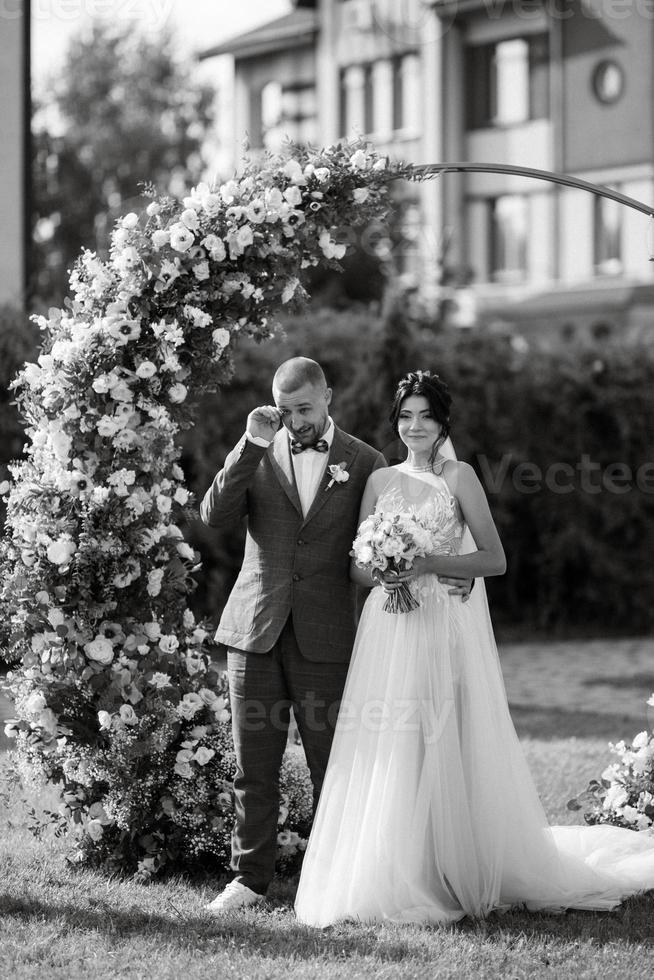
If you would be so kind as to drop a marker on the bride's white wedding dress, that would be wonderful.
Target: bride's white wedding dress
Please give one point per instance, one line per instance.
(428, 811)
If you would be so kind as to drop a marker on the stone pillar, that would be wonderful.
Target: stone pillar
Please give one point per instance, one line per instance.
(430, 103)
(414, 102)
(14, 147)
(382, 87)
(354, 100)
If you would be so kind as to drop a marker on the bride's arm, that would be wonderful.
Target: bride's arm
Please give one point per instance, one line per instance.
(362, 576)
(489, 558)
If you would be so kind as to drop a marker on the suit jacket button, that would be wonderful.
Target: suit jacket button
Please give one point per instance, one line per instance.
(300, 541)
(296, 577)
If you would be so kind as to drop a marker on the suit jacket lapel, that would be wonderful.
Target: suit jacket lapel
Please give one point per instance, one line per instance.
(280, 457)
(341, 452)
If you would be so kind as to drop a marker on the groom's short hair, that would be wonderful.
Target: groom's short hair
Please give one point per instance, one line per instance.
(299, 371)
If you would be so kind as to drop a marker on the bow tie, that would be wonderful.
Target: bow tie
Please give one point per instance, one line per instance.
(322, 446)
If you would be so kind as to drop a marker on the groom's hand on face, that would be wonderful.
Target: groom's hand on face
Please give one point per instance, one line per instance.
(459, 586)
(263, 422)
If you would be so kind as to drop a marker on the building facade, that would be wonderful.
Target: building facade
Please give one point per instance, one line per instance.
(561, 85)
(14, 151)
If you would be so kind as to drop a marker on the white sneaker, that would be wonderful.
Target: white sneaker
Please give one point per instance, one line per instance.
(234, 896)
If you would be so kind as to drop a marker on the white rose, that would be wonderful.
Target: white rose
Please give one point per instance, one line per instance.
(229, 191)
(61, 551)
(100, 650)
(102, 384)
(98, 812)
(211, 204)
(152, 629)
(95, 830)
(183, 769)
(155, 578)
(215, 246)
(152, 209)
(189, 218)
(159, 680)
(244, 236)
(160, 238)
(360, 194)
(130, 220)
(359, 160)
(203, 755)
(201, 271)
(128, 715)
(36, 702)
(55, 617)
(177, 393)
(365, 555)
(146, 369)
(104, 720)
(220, 337)
(189, 705)
(293, 196)
(293, 171)
(168, 643)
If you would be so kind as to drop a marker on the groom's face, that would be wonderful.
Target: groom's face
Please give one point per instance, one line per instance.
(305, 411)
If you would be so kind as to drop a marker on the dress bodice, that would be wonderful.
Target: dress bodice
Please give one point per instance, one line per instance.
(425, 495)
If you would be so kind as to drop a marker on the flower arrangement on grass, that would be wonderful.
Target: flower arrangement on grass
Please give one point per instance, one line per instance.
(115, 692)
(624, 794)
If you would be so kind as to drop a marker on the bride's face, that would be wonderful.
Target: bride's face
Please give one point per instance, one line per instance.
(416, 426)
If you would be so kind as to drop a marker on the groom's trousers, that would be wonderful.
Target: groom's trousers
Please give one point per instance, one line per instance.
(263, 686)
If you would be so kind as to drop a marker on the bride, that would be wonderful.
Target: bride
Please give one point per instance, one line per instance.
(428, 812)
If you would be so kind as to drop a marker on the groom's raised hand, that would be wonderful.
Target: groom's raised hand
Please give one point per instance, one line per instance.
(263, 422)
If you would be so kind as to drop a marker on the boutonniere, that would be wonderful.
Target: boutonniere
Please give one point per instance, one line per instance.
(338, 474)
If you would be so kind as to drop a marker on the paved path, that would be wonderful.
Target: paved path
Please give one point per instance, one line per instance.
(604, 676)
(573, 681)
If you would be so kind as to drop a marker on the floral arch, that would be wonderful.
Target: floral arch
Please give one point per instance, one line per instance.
(116, 697)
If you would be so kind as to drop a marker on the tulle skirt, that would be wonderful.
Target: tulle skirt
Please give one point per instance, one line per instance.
(428, 811)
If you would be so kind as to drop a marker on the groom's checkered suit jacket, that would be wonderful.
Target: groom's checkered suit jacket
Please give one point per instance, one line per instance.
(292, 564)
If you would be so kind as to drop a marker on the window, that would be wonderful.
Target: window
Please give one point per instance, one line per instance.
(368, 101)
(342, 103)
(356, 99)
(398, 94)
(508, 81)
(607, 232)
(508, 238)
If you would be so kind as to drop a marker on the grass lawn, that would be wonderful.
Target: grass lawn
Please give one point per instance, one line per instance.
(58, 922)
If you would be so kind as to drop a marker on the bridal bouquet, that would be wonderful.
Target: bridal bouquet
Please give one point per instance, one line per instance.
(392, 542)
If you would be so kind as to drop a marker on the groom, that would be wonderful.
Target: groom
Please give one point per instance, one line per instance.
(289, 622)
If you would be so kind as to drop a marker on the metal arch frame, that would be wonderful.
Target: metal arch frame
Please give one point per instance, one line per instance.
(435, 169)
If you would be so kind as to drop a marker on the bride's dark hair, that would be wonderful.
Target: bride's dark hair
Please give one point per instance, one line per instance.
(434, 389)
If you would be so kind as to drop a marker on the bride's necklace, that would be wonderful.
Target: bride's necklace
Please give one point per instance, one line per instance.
(425, 468)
